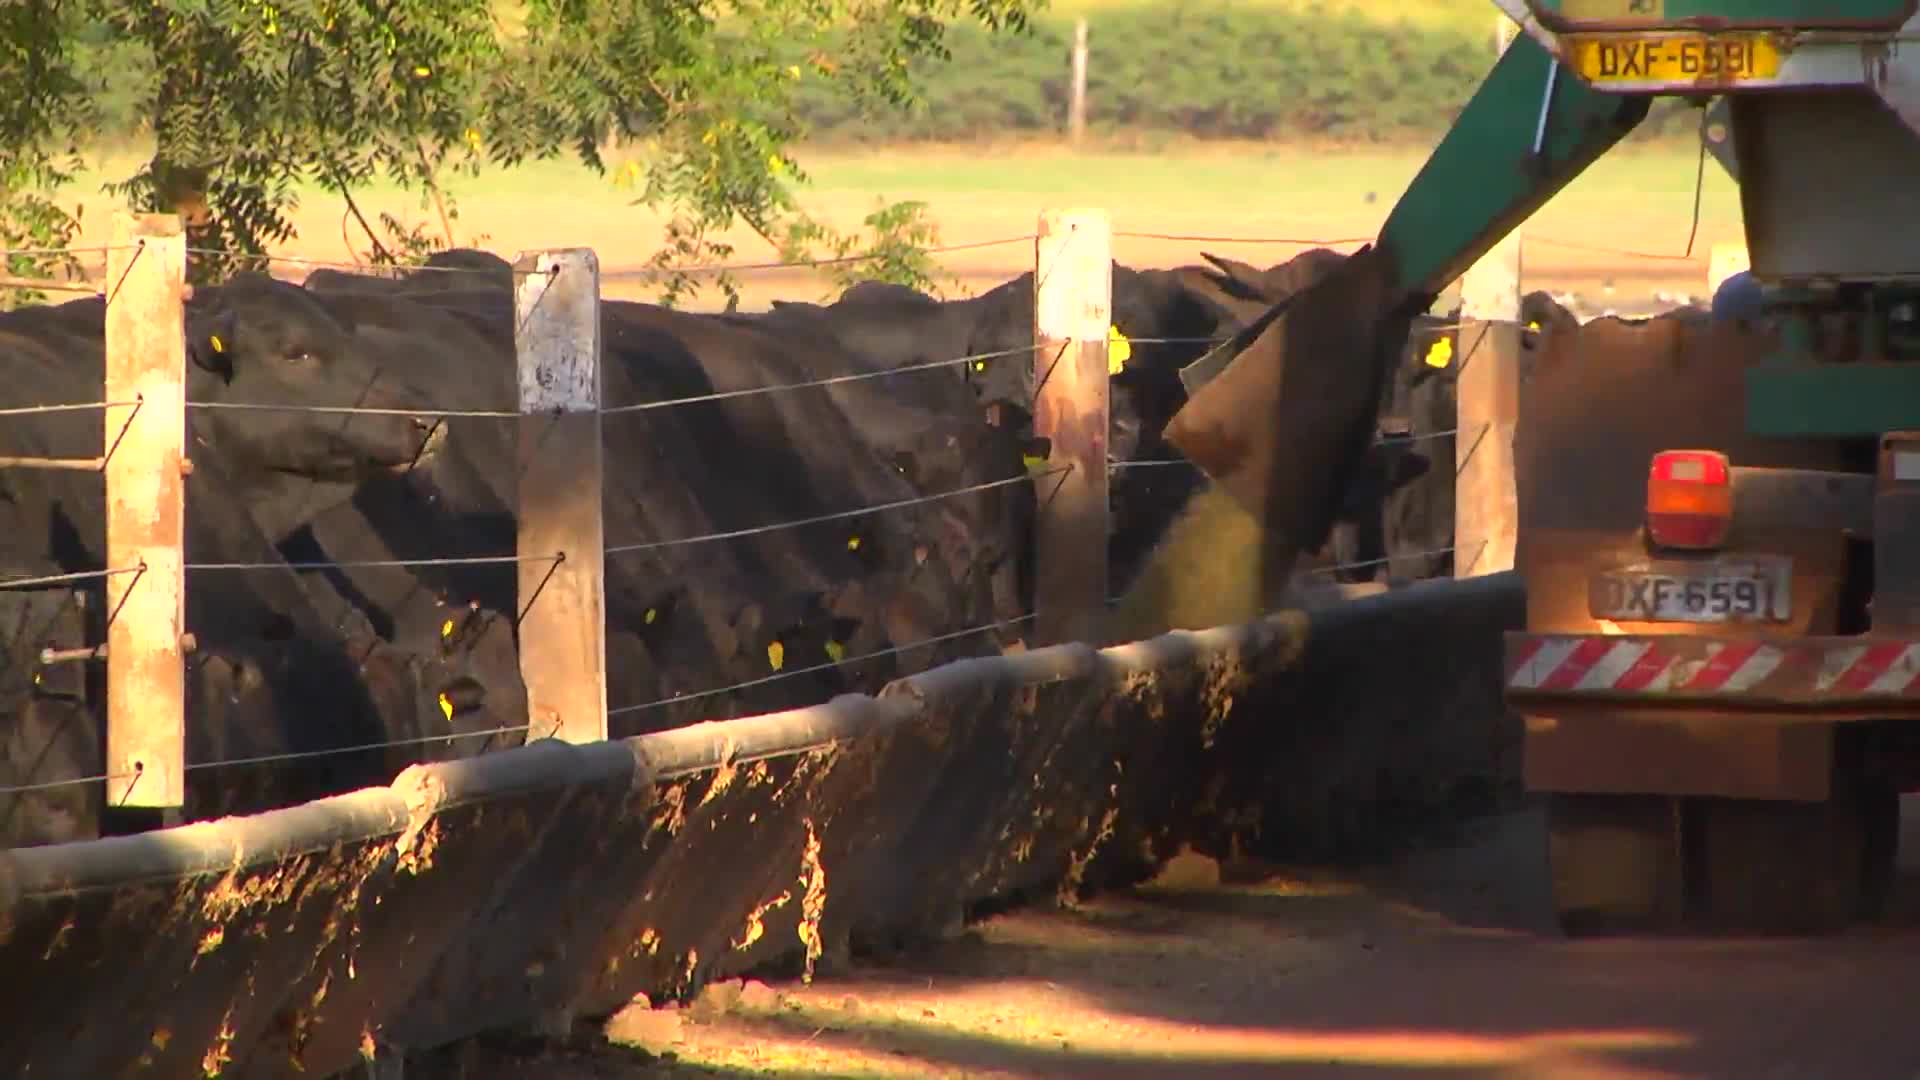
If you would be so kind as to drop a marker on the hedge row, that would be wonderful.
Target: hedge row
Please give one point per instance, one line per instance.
(1196, 68)
(1200, 68)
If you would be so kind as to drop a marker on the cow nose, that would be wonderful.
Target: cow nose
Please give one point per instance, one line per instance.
(463, 694)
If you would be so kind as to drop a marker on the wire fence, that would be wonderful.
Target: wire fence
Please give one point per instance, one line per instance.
(372, 268)
(975, 360)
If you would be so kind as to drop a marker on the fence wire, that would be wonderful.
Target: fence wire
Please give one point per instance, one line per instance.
(357, 410)
(383, 564)
(385, 271)
(831, 664)
(66, 579)
(842, 515)
(836, 260)
(392, 270)
(82, 406)
(270, 759)
(1192, 238)
(832, 380)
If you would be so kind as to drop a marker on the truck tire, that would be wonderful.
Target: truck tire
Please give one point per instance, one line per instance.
(1797, 868)
(1617, 862)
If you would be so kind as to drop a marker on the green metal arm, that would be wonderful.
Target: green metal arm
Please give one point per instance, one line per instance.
(1499, 164)
(1285, 424)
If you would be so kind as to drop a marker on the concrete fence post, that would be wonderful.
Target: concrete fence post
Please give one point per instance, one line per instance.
(145, 465)
(562, 542)
(1072, 317)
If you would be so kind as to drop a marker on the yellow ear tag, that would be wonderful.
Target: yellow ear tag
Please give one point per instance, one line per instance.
(1119, 350)
(1441, 353)
(446, 707)
(651, 615)
(1533, 324)
(446, 629)
(853, 543)
(1033, 461)
(218, 345)
(776, 655)
(835, 651)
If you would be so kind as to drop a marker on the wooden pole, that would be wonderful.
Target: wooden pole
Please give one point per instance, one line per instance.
(146, 362)
(563, 647)
(1077, 100)
(1072, 314)
(1486, 509)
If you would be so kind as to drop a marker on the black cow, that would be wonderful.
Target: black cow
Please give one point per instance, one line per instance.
(1416, 532)
(280, 668)
(684, 620)
(1174, 317)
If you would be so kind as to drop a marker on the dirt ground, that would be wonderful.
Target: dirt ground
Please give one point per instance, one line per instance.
(1443, 964)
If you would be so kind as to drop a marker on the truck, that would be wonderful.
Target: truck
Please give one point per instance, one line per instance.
(1718, 516)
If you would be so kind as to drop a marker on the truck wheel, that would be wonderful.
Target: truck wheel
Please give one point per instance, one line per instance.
(1617, 863)
(1797, 868)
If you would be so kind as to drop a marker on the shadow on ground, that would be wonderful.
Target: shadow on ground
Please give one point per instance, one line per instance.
(1443, 964)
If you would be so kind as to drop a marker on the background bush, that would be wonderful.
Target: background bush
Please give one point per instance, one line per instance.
(1194, 68)
(1200, 68)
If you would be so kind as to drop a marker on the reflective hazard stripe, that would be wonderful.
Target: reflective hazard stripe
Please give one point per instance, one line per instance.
(1883, 667)
(1682, 664)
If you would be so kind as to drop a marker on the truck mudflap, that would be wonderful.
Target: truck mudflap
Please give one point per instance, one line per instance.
(1859, 674)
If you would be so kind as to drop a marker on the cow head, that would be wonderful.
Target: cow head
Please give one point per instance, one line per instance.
(883, 293)
(256, 341)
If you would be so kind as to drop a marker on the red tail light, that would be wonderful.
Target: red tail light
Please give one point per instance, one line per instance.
(1689, 499)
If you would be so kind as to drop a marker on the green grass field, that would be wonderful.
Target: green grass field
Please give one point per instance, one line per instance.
(1636, 202)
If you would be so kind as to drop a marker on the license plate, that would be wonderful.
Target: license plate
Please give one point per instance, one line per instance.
(1752, 589)
(1675, 58)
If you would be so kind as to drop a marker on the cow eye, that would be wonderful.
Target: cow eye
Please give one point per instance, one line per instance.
(299, 356)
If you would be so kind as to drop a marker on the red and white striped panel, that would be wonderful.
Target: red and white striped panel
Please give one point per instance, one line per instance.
(1813, 670)
(1641, 665)
(1876, 669)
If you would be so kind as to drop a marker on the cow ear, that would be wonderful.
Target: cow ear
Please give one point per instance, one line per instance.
(210, 343)
(1235, 270)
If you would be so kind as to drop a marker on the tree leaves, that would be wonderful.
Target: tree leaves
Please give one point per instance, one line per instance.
(43, 105)
(248, 99)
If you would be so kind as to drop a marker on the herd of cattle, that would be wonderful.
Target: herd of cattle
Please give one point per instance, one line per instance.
(301, 646)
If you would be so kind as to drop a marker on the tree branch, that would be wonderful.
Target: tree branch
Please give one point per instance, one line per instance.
(433, 188)
(380, 251)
